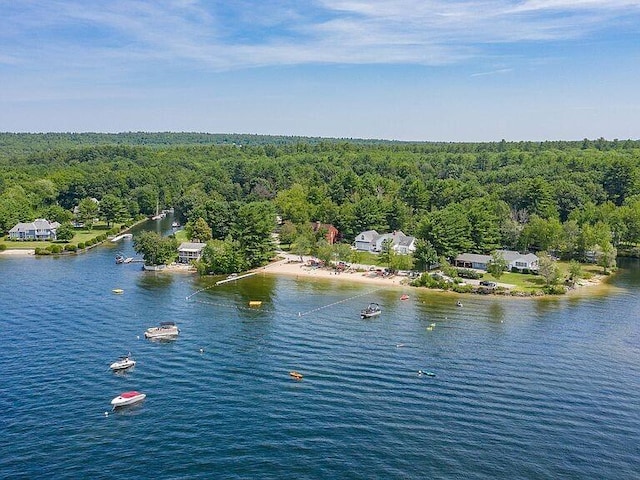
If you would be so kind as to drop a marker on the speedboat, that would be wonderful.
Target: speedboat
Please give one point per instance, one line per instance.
(123, 363)
(371, 311)
(119, 258)
(127, 398)
(163, 331)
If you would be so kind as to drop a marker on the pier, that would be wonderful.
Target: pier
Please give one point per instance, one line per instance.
(233, 278)
(120, 237)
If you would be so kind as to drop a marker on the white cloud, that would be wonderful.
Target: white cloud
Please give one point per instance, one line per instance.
(243, 33)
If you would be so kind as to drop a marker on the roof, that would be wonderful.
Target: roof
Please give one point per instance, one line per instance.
(37, 224)
(512, 256)
(367, 236)
(191, 247)
(473, 258)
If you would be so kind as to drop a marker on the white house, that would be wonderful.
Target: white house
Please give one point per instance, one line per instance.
(365, 241)
(515, 260)
(39, 229)
(372, 241)
(189, 252)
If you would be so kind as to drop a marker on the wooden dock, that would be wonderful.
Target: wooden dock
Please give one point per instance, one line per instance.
(120, 237)
(232, 279)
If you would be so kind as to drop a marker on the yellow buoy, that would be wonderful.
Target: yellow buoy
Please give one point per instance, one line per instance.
(255, 303)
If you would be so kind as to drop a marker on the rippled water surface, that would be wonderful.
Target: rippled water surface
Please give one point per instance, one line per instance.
(523, 388)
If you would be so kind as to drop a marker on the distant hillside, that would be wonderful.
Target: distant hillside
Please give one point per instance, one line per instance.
(24, 143)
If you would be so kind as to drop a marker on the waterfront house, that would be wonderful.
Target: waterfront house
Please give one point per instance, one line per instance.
(372, 241)
(190, 252)
(515, 260)
(39, 229)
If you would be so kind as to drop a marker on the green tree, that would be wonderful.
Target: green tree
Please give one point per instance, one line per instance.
(221, 257)
(302, 245)
(606, 256)
(497, 266)
(198, 231)
(111, 208)
(65, 232)
(548, 269)
(575, 271)
(154, 248)
(87, 212)
(425, 255)
(253, 228)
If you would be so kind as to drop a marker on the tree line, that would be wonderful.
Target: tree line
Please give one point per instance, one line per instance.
(571, 198)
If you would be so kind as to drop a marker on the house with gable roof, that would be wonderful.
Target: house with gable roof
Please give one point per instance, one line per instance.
(190, 251)
(515, 260)
(372, 241)
(39, 229)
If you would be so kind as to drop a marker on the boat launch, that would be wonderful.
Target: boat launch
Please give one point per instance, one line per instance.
(371, 311)
(166, 330)
(127, 398)
(123, 363)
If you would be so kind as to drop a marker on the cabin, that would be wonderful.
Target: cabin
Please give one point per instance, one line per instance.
(190, 252)
(39, 229)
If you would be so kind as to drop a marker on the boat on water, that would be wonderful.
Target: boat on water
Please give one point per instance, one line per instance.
(127, 398)
(118, 291)
(175, 225)
(372, 310)
(120, 258)
(295, 375)
(123, 363)
(166, 330)
(426, 372)
(404, 297)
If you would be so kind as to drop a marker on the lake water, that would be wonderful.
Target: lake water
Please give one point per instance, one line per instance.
(533, 389)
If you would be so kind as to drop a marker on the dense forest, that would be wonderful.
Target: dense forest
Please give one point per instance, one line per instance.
(571, 198)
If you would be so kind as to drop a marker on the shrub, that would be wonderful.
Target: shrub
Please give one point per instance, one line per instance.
(468, 273)
(3, 247)
(462, 288)
(70, 247)
(42, 251)
(55, 248)
(81, 245)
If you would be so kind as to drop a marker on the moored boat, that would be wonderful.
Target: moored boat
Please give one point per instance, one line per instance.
(119, 258)
(127, 398)
(164, 330)
(295, 375)
(371, 311)
(123, 363)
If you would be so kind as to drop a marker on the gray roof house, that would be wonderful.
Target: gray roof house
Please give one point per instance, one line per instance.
(39, 229)
(366, 240)
(371, 241)
(189, 252)
(515, 260)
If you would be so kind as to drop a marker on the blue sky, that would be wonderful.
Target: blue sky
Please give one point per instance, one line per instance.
(432, 70)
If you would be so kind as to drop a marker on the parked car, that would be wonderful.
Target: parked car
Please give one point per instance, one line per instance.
(486, 283)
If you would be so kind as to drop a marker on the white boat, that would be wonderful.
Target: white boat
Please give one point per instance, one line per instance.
(127, 398)
(164, 330)
(123, 363)
(371, 311)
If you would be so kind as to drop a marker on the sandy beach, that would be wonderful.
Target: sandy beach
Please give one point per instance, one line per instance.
(18, 251)
(291, 265)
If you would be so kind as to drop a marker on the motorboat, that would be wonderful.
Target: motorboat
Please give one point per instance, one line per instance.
(127, 398)
(119, 258)
(404, 297)
(372, 310)
(426, 372)
(163, 331)
(123, 363)
(118, 291)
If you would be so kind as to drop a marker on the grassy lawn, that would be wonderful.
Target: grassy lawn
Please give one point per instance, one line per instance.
(81, 235)
(528, 282)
